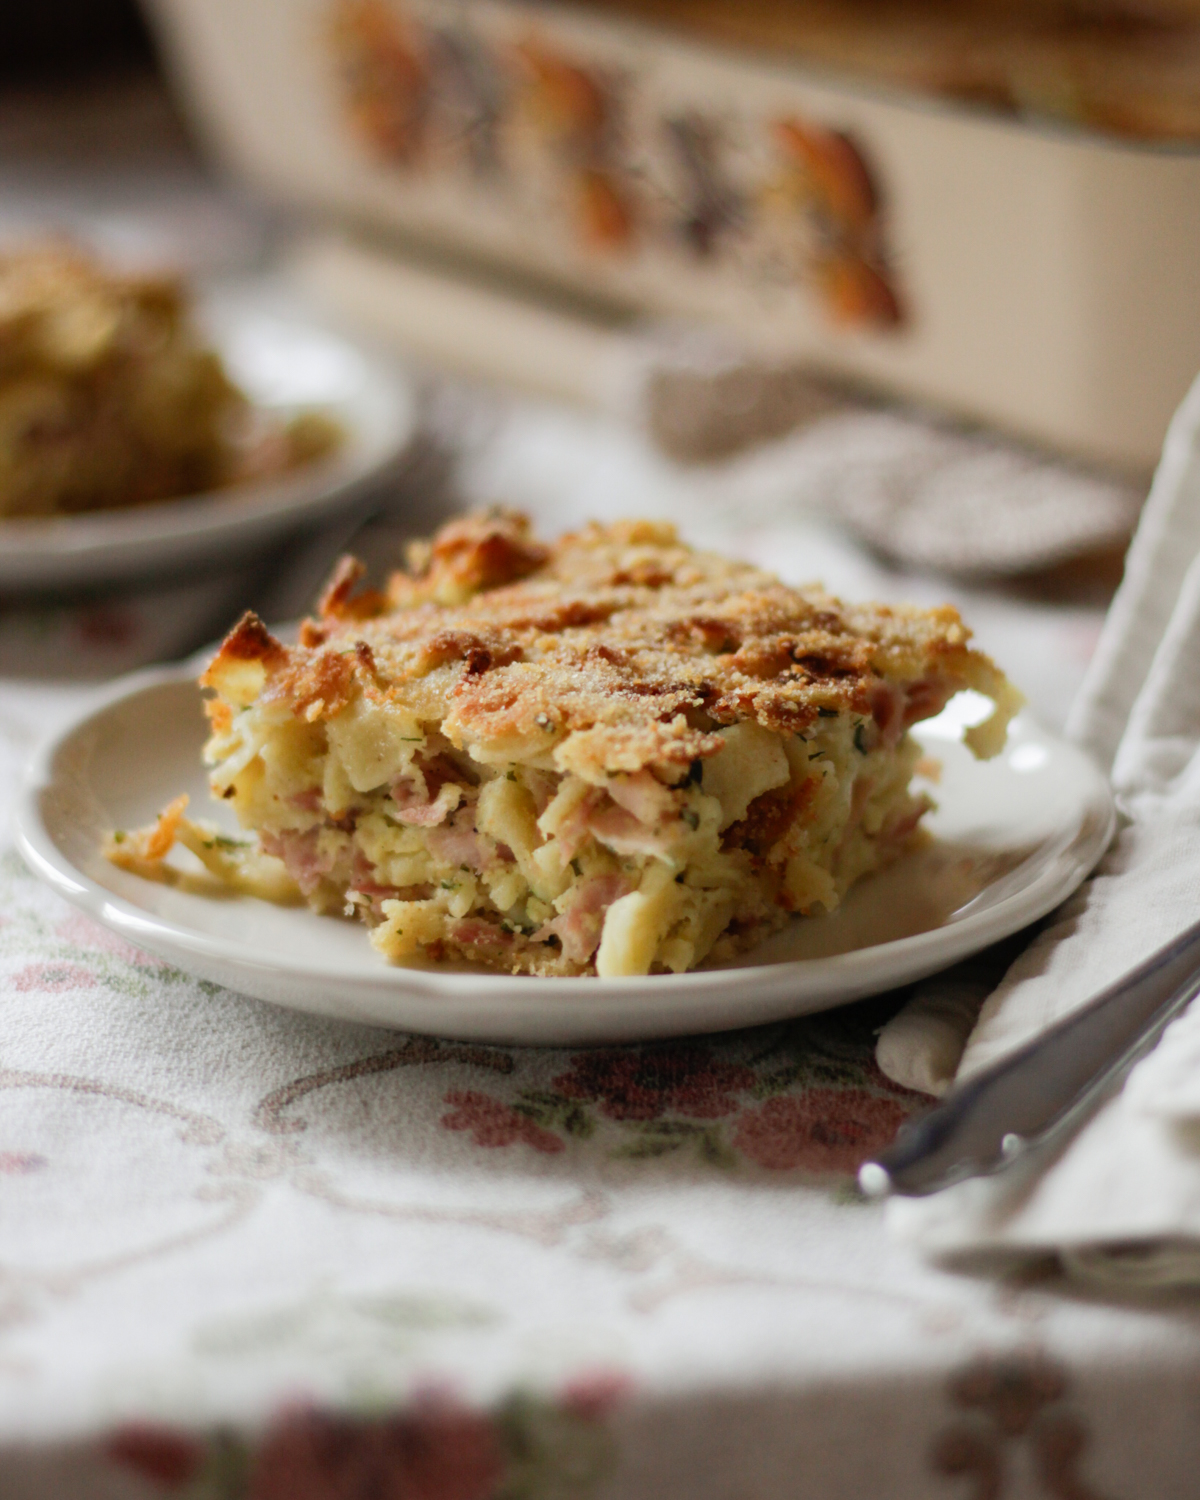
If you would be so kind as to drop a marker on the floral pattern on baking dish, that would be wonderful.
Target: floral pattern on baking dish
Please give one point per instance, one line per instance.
(580, 146)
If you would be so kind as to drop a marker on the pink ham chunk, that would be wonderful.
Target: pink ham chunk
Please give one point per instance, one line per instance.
(376, 893)
(427, 799)
(887, 710)
(621, 832)
(626, 819)
(574, 830)
(644, 796)
(578, 928)
(473, 932)
(456, 842)
(924, 699)
(413, 809)
(304, 861)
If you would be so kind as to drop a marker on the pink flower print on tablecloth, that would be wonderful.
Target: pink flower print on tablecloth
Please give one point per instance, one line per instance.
(53, 977)
(437, 1450)
(492, 1123)
(593, 1394)
(437, 1453)
(646, 1082)
(822, 1130)
(82, 932)
(20, 1163)
(169, 1459)
(811, 1099)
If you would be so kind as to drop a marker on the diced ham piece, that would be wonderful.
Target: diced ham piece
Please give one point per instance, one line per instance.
(644, 796)
(625, 819)
(377, 894)
(897, 709)
(542, 786)
(621, 832)
(303, 860)
(472, 932)
(578, 928)
(308, 800)
(366, 884)
(415, 810)
(456, 842)
(574, 829)
(428, 798)
(924, 699)
(887, 709)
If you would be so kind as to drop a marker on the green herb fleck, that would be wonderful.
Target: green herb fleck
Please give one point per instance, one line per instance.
(119, 836)
(449, 885)
(827, 713)
(691, 818)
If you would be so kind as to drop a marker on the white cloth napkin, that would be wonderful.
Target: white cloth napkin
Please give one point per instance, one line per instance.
(1121, 1202)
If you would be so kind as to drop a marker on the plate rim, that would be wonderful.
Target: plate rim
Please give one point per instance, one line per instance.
(831, 980)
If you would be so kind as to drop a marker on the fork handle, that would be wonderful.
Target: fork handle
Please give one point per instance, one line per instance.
(1046, 1088)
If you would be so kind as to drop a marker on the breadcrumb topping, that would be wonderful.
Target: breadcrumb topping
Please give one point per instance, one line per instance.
(614, 648)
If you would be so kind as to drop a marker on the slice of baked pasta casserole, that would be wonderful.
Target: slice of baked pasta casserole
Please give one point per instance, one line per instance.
(610, 755)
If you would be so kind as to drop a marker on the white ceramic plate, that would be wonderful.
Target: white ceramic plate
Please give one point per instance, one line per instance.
(1013, 837)
(285, 361)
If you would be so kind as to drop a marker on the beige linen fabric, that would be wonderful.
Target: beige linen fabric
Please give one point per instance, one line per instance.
(1122, 1200)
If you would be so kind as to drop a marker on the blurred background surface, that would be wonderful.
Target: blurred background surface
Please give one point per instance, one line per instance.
(73, 39)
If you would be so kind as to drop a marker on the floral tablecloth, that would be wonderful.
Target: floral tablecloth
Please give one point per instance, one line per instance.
(250, 1255)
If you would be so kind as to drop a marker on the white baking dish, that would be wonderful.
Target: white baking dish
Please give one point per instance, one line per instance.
(1043, 280)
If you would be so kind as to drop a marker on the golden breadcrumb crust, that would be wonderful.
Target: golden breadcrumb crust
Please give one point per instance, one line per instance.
(615, 647)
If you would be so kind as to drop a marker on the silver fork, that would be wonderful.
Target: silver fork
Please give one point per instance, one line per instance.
(1044, 1090)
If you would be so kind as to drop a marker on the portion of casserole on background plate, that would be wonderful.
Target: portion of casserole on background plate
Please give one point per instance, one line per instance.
(110, 395)
(609, 755)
